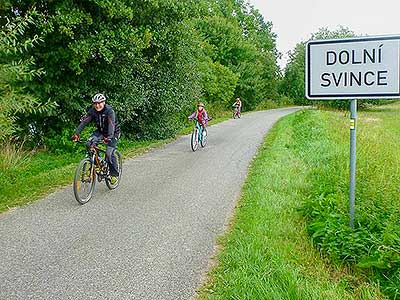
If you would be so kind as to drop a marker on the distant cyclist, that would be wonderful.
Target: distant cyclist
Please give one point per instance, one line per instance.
(200, 114)
(238, 104)
(108, 130)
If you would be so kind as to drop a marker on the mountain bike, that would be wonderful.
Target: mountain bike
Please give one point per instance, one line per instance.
(236, 112)
(94, 167)
(199, 136)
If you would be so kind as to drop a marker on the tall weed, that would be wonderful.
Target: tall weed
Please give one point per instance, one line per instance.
(13, 156)
(374, 244)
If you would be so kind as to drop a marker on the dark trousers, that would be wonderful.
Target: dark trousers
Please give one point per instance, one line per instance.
(96, 139)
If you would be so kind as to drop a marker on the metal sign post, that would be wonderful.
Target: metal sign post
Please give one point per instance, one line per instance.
(353, 68)
(353, 157)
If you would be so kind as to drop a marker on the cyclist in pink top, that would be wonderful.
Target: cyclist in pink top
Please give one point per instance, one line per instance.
(200, 114)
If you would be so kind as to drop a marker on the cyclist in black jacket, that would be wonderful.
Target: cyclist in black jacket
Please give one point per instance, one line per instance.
(108, 129)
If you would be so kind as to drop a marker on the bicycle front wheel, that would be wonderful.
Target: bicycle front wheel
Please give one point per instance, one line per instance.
(194, 142)
(84, 181)
(109, 183)
(204, 138)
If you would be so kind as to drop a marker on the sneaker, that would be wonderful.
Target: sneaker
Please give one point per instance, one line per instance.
(113, 179)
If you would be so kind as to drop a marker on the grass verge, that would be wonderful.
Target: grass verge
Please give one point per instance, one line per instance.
(373, 247)
(267, 254)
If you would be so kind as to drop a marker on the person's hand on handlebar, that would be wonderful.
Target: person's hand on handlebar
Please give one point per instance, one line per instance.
(75, 138)
(106, 140)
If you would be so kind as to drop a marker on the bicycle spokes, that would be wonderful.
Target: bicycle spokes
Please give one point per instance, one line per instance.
(194, 140)
(84, 181)
(92, 168)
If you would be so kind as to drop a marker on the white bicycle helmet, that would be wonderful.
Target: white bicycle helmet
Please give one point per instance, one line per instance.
(98, 98)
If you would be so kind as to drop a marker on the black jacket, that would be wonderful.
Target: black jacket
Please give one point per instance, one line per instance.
(106, 122)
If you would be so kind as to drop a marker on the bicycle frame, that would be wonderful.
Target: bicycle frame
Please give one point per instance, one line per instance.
(101, 169)
(92, 166)
(236, 111)
(199, 135)
(200, 130)
(93, 153)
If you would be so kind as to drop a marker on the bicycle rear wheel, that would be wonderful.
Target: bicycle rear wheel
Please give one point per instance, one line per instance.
(194, 142)
(84, 181)
(114, 185)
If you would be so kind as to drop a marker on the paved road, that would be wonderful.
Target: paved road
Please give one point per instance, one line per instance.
(149, 239)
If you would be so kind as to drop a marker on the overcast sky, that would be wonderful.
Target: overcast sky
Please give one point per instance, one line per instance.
(295, 20)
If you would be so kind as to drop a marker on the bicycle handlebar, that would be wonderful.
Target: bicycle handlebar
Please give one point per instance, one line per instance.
(94, 146)
(196, 119)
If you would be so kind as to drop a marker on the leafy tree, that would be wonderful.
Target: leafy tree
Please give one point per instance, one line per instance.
(135, 52)
(293, 83)
(151, 58)
(15, 74)
(240, 40)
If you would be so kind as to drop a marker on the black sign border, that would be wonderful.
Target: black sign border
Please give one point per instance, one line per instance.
(346, 96)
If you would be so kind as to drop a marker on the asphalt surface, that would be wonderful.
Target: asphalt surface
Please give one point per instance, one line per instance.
(149, 239)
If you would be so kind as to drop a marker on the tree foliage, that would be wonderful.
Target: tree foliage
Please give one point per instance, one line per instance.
(293, 83)
(16, 73)
(151, 59)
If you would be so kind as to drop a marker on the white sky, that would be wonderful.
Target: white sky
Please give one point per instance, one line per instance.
(295, 20)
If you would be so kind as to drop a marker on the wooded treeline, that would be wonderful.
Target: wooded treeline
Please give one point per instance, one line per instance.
(152, 59)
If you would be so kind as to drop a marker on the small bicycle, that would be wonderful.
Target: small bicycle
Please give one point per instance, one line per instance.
(93, 167)
(236, 112)
(199, 136)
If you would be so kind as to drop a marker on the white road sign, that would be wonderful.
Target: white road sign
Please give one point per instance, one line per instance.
(355, 68)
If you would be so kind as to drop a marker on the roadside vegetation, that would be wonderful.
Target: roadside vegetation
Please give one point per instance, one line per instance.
(290, 237)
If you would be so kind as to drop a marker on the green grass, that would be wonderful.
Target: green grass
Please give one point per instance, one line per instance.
(373, 247)
(28, 175)
(268, 253)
